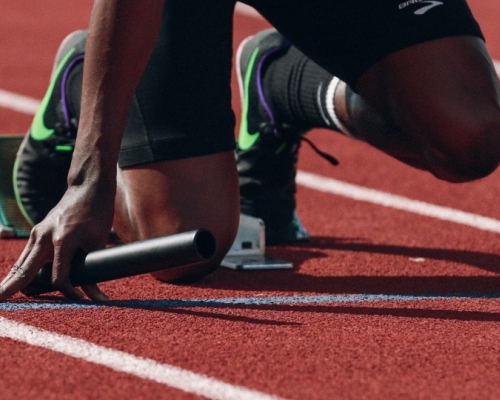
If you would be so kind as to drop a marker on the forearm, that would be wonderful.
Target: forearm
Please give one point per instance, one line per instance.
(122, 34)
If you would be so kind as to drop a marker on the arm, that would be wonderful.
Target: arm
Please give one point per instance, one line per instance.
(121, 39)
(122, 34)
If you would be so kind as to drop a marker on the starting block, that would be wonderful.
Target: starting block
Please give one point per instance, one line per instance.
(12, 222)
(248, 251)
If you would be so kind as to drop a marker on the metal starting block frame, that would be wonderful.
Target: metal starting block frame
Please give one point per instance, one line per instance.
(248, 251)
(12, 222)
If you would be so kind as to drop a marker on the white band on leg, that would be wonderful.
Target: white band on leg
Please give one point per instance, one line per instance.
(330, 106)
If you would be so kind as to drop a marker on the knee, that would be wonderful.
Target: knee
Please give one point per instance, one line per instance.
(224, 232)
(177, 196)
(472, 152)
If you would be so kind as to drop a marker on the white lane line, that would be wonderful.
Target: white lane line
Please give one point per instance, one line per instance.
(497, 66)
(145, 368)
(247, 10)
(360, 193)
(29, 105)
(19, 103)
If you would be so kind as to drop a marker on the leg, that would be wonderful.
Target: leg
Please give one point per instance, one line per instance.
(177, 168)
(437, 104)
(266, 156)
(173, 196)
(432, 103)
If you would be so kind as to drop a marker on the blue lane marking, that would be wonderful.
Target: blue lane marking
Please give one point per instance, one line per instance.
(247, 301)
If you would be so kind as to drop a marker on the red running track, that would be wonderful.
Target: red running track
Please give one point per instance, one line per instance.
(348, 322)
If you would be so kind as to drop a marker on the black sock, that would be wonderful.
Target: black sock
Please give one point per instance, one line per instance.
(297, 87)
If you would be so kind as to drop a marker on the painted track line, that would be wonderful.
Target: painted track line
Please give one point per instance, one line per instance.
(249, 301)
(247, 10)
(497, 66)
(120, 361)
(333, 186)
(19, 103)
(29, 105)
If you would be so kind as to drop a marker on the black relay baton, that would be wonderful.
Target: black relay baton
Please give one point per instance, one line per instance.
(131, 259)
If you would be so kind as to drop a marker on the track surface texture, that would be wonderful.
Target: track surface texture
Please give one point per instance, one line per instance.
(394, 297)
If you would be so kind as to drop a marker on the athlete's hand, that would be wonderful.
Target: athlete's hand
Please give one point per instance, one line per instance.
(80, 222)
(82, 219)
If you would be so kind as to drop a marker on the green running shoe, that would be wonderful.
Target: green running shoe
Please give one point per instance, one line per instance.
(44, 157)
(267, 150)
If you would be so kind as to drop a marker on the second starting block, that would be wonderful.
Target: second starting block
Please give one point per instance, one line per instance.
(248, 251)
(12, 222)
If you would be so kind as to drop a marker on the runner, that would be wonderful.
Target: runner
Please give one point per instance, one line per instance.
(412, 78)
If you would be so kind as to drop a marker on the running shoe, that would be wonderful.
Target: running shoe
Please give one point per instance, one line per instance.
(267, 149)
(44, 157)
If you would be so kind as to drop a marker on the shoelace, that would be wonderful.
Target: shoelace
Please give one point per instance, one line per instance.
(328, 157)
(292, 136)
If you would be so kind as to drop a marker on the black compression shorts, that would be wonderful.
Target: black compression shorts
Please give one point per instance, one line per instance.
(182, 107)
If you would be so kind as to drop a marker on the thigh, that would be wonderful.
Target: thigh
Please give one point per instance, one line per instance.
(177, 166)
(173, 196)
(182, 106)
(444, 96)
(347, 37)
(421, 65)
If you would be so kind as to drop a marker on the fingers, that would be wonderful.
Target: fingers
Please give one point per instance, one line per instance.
(24, 270)
(68, 290)
(63, 254)
(94, 293)
(17, 278)
(34, 256)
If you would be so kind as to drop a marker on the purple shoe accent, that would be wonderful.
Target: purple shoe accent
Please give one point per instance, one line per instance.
(260, 87)
(64, 100)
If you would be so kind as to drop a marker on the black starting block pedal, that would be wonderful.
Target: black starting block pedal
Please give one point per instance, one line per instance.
(12, 222)
(248, 251)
